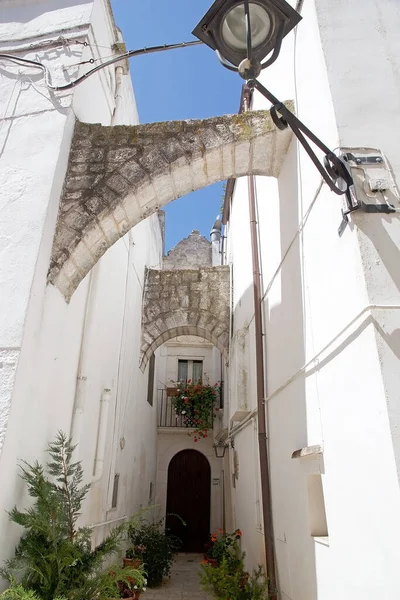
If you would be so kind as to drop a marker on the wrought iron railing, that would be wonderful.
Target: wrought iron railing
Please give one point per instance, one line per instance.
(167, 417)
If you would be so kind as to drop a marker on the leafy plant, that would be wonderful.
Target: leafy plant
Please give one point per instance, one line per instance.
(222, 581)
(135, 551)
(159, 548)
(17, 592)
(225, 546)
(196, 403)
(237, 584)
(115, 582)
(54, 557)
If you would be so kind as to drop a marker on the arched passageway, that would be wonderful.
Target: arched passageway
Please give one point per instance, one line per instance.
(185, 302)
(117, 176)
(189, 496)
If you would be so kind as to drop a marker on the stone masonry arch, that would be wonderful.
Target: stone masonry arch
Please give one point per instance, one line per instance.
(185, 302)
(118, 176)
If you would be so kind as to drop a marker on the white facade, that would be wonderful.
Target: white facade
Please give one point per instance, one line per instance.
(330, 307)
(331, 346)
(58, 359)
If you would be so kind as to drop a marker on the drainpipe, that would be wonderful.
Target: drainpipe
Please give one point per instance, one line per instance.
(261, 386)
(102, 435)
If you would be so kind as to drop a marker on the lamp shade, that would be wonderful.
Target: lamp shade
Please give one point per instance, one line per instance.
(223, 27)
(233, 27)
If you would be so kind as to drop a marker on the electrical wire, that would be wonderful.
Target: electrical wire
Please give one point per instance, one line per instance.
(58, 88)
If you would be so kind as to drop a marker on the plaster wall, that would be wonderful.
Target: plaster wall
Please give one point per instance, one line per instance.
(172, 440)
(186, 348)
(47, 343)
(315, 284)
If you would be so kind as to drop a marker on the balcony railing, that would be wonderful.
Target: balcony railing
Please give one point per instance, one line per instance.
(167, 416)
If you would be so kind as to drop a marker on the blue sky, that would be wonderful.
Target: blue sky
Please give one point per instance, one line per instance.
(187, 83)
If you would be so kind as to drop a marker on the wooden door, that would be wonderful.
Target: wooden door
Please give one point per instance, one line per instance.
(188, 495)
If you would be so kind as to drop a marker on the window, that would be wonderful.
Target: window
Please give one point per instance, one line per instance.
(150, 383)
(114, 500)
(190, 369)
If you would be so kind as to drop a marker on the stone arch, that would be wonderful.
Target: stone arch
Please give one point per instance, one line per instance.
(185, 302)
(118, 176)
(220, 344)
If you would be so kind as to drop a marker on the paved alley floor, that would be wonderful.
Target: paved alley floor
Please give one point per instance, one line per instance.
(184, 583)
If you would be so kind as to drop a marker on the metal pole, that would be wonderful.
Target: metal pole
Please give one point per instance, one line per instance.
(260, 382)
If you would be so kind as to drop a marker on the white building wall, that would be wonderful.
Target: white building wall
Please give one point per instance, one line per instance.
(315, 284)
(171, 440)
(45, 342)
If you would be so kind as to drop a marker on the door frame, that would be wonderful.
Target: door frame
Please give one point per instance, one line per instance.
(170, 443)
(202, 508)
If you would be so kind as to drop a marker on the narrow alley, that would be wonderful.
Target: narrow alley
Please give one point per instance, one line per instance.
(184, 583)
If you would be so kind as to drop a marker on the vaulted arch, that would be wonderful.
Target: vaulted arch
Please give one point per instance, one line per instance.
(118, 176)
(185, 302)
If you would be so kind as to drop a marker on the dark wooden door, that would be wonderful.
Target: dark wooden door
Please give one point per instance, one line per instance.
(188, 495)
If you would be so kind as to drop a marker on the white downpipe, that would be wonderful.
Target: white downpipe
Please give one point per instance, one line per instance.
(102, 435)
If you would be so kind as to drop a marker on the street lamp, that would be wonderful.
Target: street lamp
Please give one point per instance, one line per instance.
(220, 448)
(245, 32)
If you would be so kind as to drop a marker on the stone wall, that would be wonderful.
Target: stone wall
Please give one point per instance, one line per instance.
(185, 302)
(192, 252)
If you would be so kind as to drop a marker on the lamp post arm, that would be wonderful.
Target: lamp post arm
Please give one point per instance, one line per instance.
(248, 30)
(334, 168)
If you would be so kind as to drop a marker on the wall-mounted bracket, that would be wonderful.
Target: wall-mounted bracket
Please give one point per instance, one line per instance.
(372, 182)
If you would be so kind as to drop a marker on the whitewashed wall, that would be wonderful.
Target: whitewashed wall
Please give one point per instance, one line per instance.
(171, 440)
(46, 343)
(315, 284)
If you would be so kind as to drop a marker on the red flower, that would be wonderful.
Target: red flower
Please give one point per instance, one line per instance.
(189, 381)
(186, 400)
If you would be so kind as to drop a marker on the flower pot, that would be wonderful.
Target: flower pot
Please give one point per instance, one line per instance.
(132, 562)
(136, 594)
(212, 561)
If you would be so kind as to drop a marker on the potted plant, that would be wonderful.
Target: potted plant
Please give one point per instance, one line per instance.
(158, 546)
(227, 583)
(223, 545)
(55, 557)
(196, 402)
(134, 556)
(126, 582)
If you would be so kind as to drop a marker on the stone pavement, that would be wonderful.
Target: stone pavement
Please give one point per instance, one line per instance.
(184, 583)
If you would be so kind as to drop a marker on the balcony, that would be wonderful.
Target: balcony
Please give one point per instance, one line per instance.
(166, 415)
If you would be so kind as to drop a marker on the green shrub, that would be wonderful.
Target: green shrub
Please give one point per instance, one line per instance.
(228, 583)
(54, 557)
(159, 548)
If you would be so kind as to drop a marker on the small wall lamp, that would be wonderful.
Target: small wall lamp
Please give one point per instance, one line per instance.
(220, 447)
